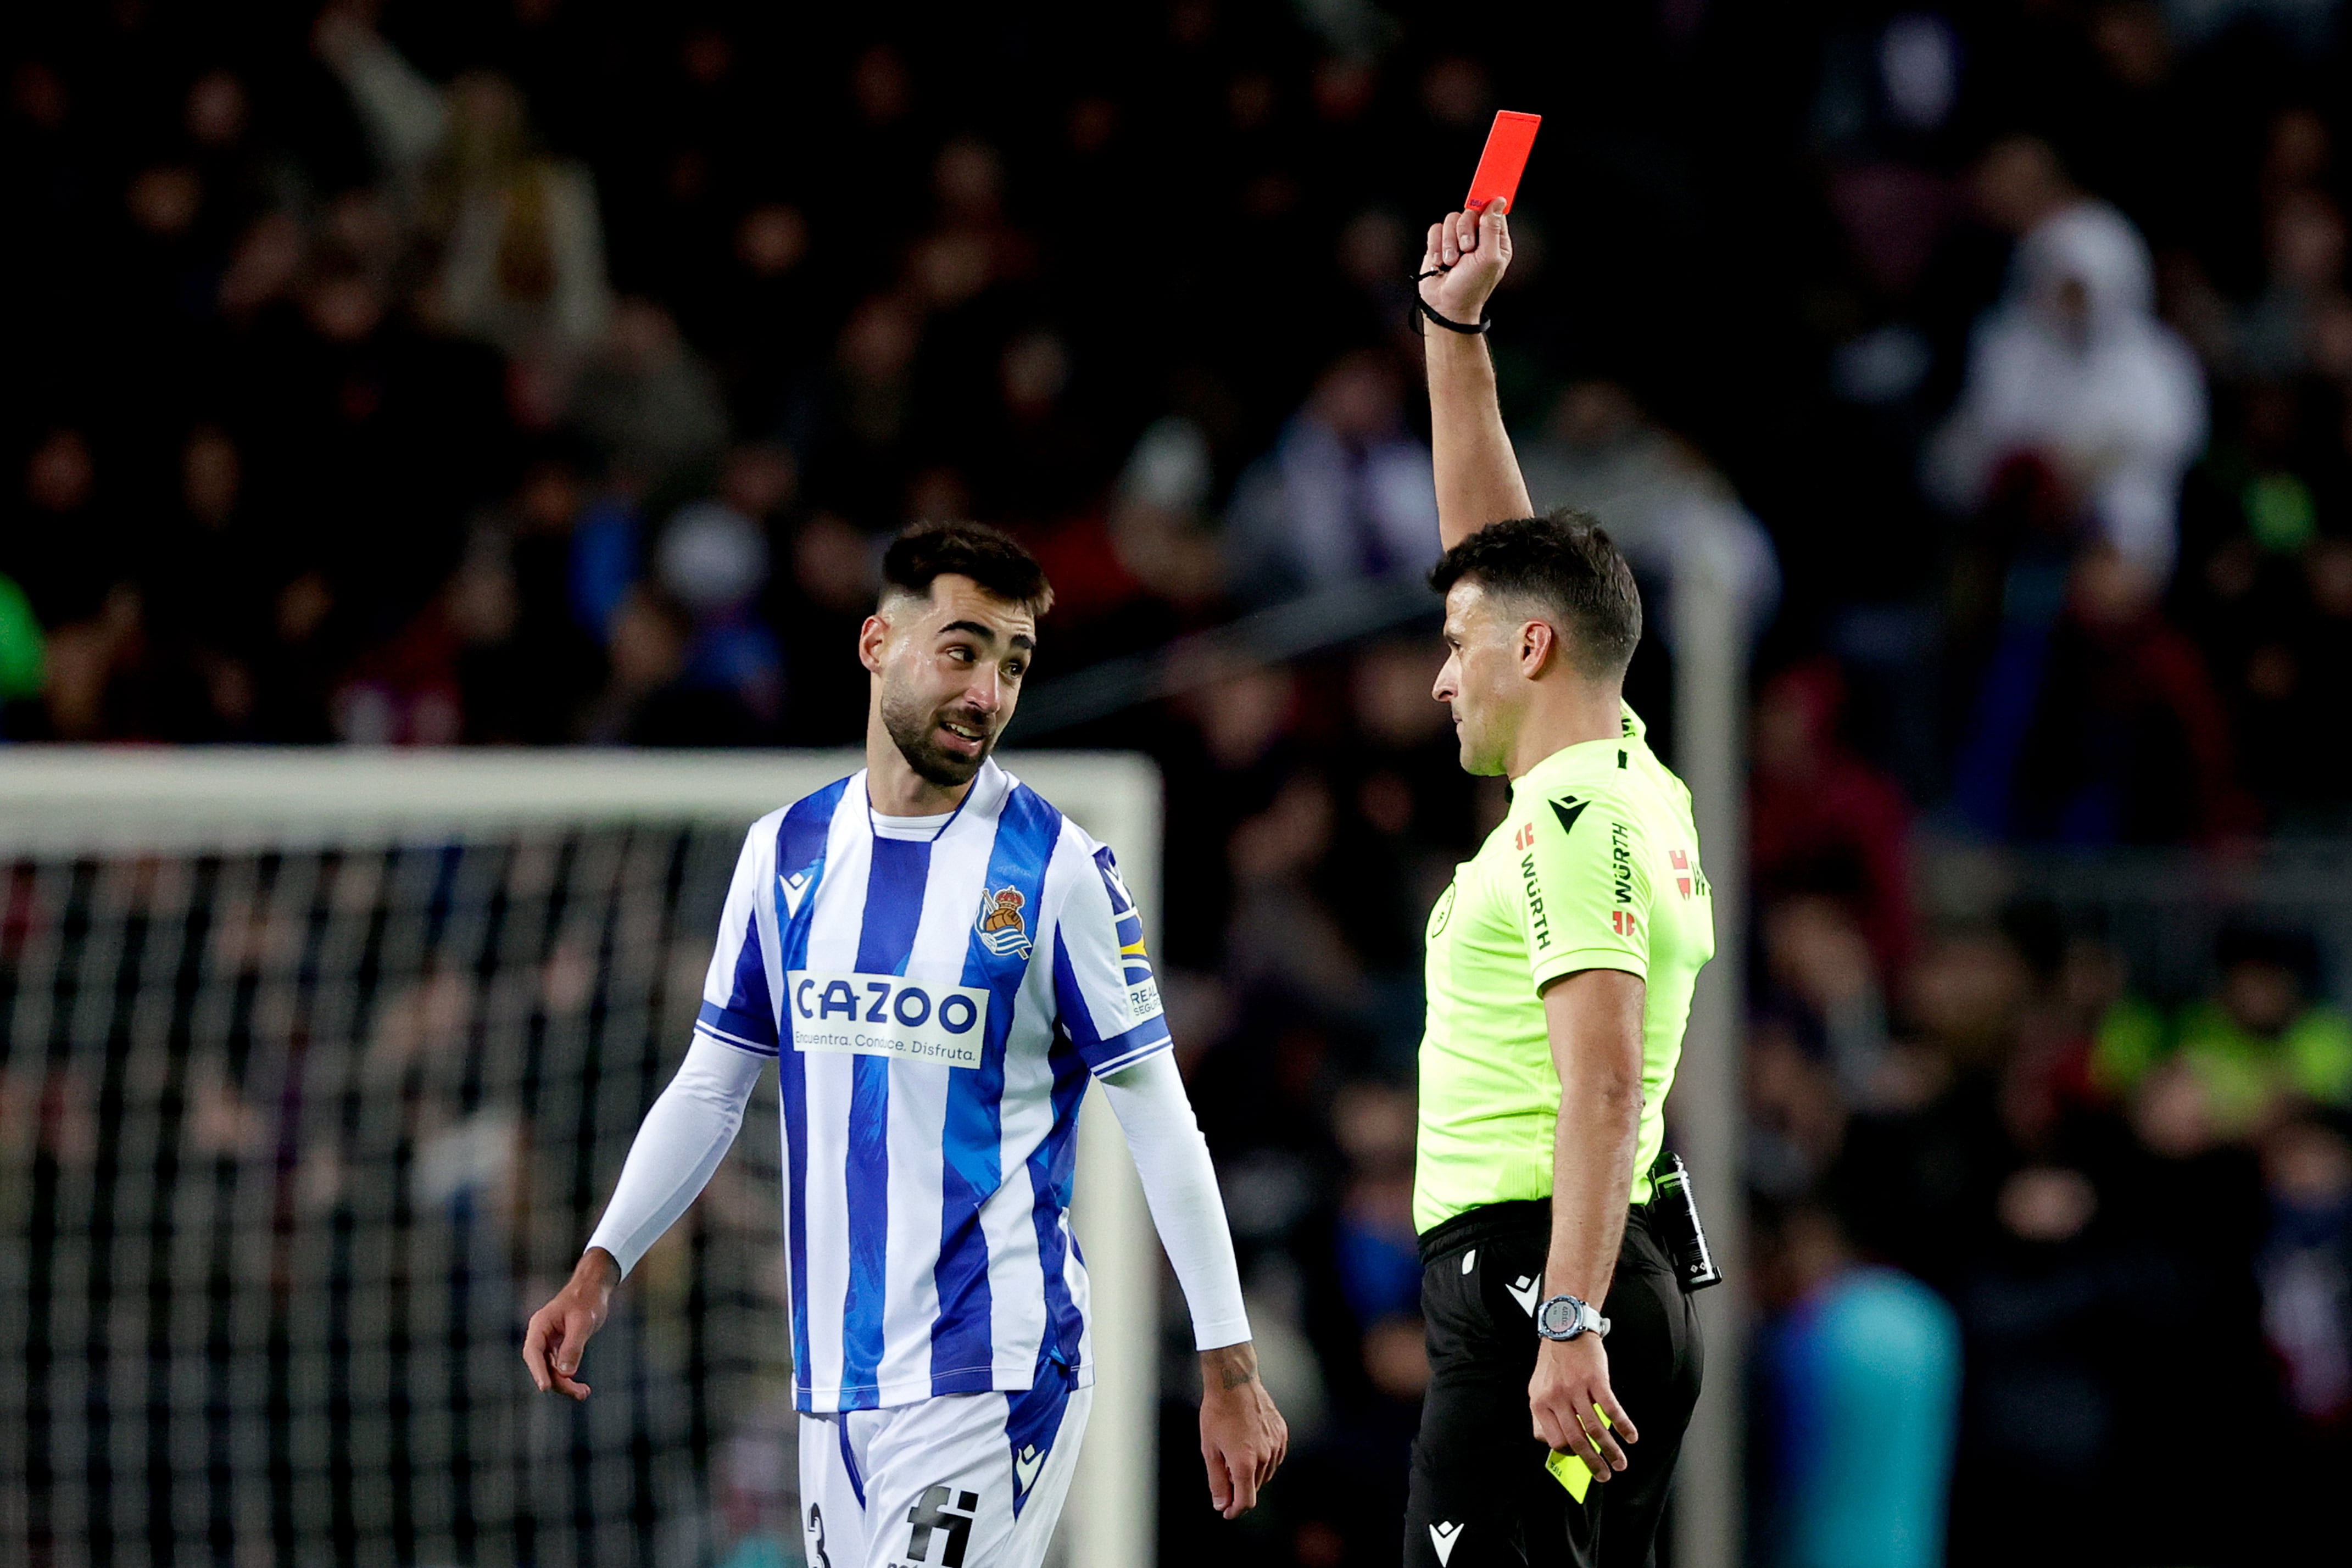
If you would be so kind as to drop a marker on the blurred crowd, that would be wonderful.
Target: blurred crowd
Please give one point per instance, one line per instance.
(551, 372)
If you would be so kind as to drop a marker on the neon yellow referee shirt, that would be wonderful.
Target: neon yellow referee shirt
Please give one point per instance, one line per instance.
(1594, 867)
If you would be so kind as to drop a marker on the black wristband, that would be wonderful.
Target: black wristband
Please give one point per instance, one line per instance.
(1474, 329)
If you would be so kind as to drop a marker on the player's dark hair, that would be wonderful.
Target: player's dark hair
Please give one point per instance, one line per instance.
(990, 557)
(1567, 563)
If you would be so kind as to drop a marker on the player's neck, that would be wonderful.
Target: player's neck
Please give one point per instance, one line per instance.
(1565, 713)
(896, 789)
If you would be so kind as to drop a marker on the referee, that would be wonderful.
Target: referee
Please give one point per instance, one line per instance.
(1560, 964)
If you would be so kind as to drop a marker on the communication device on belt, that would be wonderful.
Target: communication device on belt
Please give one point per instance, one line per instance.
(1675, 1209)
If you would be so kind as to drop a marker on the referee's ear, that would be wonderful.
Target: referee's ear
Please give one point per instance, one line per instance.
(1540, 649)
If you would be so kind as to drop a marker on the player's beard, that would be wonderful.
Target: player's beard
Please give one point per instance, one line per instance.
(915, 730)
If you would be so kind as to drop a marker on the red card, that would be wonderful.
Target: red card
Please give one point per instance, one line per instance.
(1499, 167)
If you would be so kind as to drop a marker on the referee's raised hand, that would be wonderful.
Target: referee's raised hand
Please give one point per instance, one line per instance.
(1572, 1378)
(1469, 252)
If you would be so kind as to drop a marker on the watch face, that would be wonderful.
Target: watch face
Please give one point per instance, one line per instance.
(1560, 1316)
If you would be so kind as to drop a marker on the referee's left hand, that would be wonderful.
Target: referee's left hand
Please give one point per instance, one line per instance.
(1572, 1377)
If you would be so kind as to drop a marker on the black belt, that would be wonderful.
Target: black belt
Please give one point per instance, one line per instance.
(1473, 1226)
(1670, 1219)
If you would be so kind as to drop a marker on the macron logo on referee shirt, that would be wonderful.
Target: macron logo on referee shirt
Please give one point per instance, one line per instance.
(1567, 808)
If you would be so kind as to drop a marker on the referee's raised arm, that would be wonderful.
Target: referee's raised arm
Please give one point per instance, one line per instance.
(1478, 479)
(1558, 978)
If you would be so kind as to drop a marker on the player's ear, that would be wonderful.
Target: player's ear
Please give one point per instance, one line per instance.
(871, 637)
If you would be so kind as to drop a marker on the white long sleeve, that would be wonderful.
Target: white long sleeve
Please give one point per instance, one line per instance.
(685, 1136)
(1181, 1185)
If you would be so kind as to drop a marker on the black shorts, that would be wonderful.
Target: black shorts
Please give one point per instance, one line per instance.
(1480, 1495)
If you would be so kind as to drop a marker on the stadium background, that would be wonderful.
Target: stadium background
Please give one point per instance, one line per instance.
(547, 373)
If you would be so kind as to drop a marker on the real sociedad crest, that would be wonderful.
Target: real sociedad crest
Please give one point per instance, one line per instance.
(1001, 929)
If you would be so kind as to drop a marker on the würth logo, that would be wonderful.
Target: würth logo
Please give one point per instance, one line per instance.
(1622, 922)
(1524, 837)
(1538, 921)
(933, 1516)
(1681, 863)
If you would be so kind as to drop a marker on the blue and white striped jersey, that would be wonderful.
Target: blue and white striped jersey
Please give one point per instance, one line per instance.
(942, 1003)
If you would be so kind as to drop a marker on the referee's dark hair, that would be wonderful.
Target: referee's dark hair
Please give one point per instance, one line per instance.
(1567, 563)
(990, 557)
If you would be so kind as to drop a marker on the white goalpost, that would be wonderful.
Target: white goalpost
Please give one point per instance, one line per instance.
(315, 1068)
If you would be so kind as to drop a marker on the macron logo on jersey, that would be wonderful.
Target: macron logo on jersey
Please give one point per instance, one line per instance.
(795, 888)
(1567, 808)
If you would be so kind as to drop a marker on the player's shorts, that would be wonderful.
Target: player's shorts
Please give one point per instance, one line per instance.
(962, 1480)
(1479, 1495)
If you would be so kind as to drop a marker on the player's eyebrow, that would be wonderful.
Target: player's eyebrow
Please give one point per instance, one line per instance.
(988, 634)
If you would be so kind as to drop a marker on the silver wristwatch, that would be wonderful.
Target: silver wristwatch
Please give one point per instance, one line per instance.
(1565, 1317)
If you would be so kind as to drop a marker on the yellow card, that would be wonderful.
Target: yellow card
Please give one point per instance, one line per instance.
(1572, 1472)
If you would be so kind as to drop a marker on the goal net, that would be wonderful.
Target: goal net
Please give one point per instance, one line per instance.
(315, 1070)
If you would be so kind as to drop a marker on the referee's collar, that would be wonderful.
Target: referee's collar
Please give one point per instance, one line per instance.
(1632, 734)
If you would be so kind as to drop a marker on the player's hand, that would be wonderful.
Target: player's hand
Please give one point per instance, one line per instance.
(560, 1330)
(1477, 249)
(1243, 1436)
(1572, 1377)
